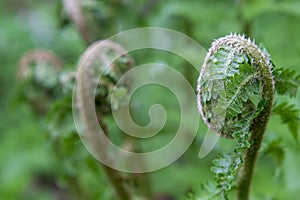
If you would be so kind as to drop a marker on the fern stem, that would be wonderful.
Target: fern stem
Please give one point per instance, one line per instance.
(117, 183)
(87, 73)
(259, 123)
(113, 175)
(258, 128)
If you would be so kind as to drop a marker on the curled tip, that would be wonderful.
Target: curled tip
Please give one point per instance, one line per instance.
(37, 57)
(109, 61)
(235, 99)
(226, 88)
(40, 68)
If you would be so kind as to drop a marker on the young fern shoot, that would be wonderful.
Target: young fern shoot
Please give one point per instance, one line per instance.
(94, 64)
(235, 97)
(38, 76)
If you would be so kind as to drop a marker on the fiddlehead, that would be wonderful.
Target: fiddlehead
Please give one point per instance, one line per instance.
(235, 98)
(41, 74)
(37, 57)
(38, 72)
(98, 65)
(94, 64)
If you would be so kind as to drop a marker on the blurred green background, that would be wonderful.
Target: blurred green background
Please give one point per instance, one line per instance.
(33, 166)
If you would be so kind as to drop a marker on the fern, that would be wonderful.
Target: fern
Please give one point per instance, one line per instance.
(289, 115)
(287, 81)
(206, 191)
(274, 148)
(227, 165)
(227, 86)
(235, 89)
(37, 73)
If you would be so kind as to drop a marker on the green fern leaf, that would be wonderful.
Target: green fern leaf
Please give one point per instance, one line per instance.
(231, 93)
(289, 115)
(206, 191)
(286, 81)
(238, 90)
(229, 85)
(274, 149)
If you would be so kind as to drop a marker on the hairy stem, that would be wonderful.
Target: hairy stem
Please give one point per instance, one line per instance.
(113, 175)
(96, 60)
(258, 128)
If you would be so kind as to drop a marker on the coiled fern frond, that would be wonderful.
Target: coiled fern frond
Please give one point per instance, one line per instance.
(38, 74)
(235, 96)
(108, 61)
(230, 84)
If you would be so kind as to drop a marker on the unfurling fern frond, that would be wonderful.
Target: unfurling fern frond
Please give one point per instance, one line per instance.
(229, 84)
(37, 73)
(235, 94)
(101, 67)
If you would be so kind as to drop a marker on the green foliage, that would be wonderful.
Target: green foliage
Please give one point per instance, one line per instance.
(287, 81)
(39, 166)
(60, 120)
(230, 94)
(289, 115)
(227, 165)
(229, 89)
(274, 148)
(230, 98)
(39, 94)
(206, 191)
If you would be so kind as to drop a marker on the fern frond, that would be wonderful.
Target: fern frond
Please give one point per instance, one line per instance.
(239, 88)
(287, 81)
(234, 87)
(289, 115)
(206, 191)
(275, 149)
(229, 87)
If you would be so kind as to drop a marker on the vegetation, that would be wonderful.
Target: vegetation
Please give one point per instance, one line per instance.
(42, 157)
(236, 96)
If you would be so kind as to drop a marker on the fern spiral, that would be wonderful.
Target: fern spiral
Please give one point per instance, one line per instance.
(96, 63)
(235, 99)
(38, 74)
(100, 68)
